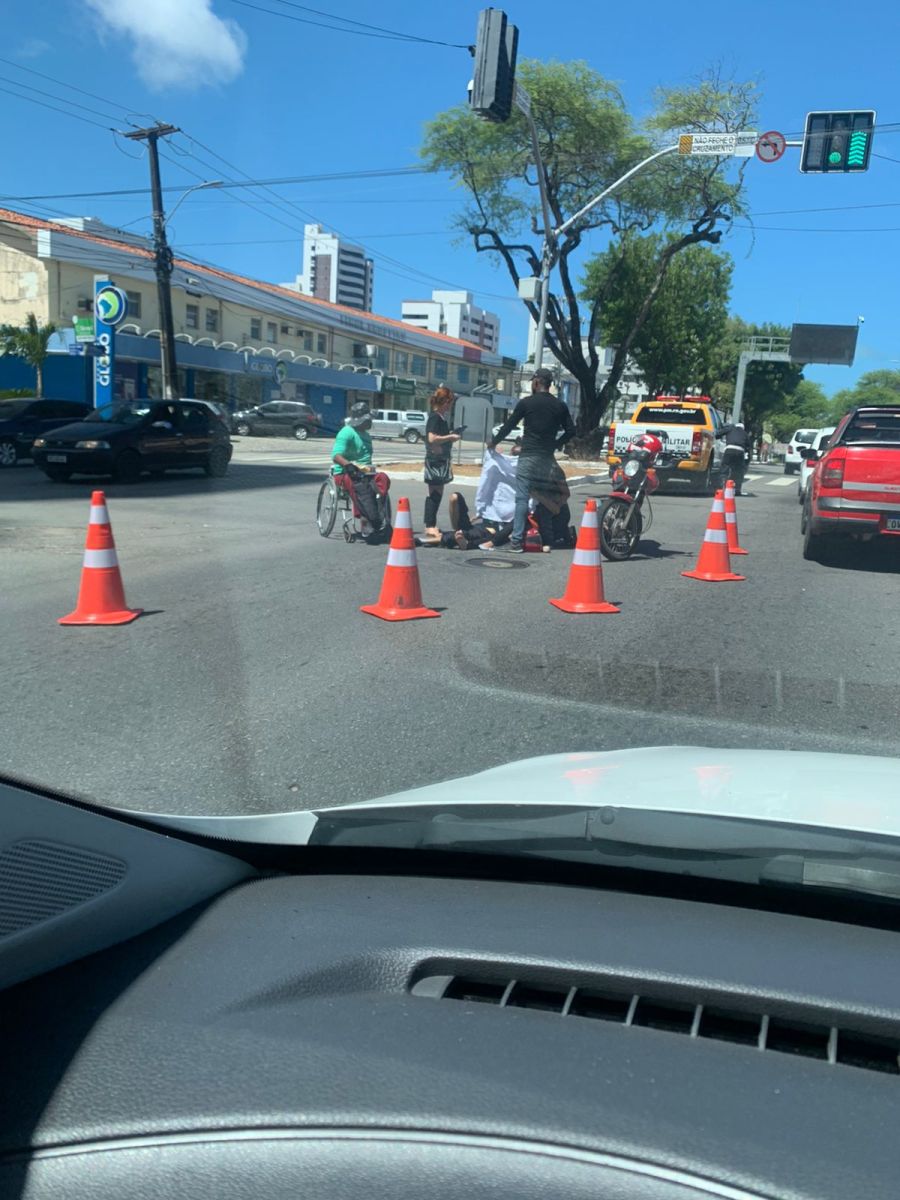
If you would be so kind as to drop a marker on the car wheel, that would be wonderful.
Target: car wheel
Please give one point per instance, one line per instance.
(217, 462)
(816, 548)
(9, 454)
(242, 429)
(128, 466)
(788, 468)
(707, 483)
(58, 474)
(412, 436)
(301, 433)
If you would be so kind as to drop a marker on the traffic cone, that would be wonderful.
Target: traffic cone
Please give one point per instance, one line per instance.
(584, 591)
(731, 526)
(401, 595)
(714, 565)
(101, 598)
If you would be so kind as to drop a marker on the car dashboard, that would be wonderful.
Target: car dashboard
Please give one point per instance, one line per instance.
(301, 1026)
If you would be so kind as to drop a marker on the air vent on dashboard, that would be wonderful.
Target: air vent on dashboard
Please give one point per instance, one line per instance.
(761, 1030)
(42, 879)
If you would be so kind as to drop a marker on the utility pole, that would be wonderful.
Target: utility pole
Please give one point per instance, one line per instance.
(163, 258)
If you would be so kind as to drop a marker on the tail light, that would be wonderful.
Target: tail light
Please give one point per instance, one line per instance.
(697, 442)
(833, 474)
(790, 449)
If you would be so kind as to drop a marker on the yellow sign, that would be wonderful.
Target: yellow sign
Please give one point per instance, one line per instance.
(685, 143)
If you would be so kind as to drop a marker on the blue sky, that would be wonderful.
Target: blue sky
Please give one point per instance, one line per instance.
(279, 97)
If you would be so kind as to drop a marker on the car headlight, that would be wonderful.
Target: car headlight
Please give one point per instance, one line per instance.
(92, 445)
(38, 442)
(632, 468)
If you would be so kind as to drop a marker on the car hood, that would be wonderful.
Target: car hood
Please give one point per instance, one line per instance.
(848, 792)
(82, 430)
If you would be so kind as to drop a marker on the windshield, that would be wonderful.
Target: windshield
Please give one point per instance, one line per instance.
(13, 408)
(121, 414)
(296, 330)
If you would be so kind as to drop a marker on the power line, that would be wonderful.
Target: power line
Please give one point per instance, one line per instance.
(65, 112)
(801, 229)
(378, 173)
(62, 83)
(371, 31)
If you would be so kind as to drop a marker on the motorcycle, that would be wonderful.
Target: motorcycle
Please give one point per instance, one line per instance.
(621, 517)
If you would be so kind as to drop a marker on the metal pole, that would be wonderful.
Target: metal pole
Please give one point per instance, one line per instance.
(163, 259)
(549, 241)
(745, 358)
(612, 187)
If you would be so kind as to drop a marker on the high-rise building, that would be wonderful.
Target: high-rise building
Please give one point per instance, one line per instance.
(334, 270)
(455, 314)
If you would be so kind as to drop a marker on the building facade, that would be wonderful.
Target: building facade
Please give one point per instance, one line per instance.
(335, 270)
(455, 314)
(239, 341)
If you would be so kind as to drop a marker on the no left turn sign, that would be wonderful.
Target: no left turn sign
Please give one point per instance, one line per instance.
(771, 146)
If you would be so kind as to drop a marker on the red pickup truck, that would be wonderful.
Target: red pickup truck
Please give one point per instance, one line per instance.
(854, 490)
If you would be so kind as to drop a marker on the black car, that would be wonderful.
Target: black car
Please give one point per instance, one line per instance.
(124, 440)
(26, 418)
(284, 418)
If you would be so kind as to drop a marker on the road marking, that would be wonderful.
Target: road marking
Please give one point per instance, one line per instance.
(785, 481)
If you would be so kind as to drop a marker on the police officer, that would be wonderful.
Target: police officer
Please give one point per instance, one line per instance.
(736, 454)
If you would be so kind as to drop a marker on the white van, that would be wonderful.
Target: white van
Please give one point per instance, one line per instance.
(396, 423)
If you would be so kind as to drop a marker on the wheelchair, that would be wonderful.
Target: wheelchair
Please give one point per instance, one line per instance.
(335, 502)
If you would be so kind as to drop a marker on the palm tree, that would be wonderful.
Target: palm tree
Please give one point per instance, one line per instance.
(30, 344)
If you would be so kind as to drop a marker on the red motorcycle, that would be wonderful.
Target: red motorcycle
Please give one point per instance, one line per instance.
(621, 516)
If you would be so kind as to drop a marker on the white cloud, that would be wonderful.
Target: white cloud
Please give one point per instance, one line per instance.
(176, 43)
(33, 48)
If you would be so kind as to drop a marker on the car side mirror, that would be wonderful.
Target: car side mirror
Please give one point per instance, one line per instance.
(808, 453)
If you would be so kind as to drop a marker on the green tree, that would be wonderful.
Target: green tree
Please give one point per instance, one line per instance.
(589, 140)
(806, 407)
(677, 346)
(875, 387)
(28, 343)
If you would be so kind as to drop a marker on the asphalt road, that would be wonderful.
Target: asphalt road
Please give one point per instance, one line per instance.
(253, 683)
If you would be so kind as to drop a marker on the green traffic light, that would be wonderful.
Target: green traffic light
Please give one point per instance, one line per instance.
(834, 156)
(856, 154)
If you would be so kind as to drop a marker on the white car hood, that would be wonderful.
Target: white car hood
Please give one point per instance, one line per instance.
(848, 792)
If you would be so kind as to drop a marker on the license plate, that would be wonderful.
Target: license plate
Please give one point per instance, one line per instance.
(57, 458)
(893, 523)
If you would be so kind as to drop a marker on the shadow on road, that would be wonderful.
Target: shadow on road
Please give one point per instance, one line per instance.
(876, 558)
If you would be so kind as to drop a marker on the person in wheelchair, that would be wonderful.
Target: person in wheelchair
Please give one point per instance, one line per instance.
(351, 457)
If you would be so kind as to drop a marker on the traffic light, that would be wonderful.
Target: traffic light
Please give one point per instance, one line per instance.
(837, 141)
(493, 86)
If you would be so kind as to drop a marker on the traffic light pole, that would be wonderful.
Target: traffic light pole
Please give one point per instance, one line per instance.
(163, 259)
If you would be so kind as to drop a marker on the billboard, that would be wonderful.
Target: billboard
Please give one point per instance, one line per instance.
(824, 344)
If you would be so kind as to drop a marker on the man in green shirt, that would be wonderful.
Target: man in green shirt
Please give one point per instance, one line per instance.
(351, 457)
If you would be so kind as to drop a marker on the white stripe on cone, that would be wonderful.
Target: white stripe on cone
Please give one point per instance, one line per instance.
(589, 520)
(401, 558)
(716, 535)
(100, 558)
(586, 558)
(403, 520)
(730, 518)
(718, 506)
(99, 515)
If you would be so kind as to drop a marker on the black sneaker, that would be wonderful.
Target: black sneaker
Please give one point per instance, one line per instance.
(514, 548)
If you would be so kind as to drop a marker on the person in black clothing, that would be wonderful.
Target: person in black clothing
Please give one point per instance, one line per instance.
(734, 458)
(547, 425)
(438, 470)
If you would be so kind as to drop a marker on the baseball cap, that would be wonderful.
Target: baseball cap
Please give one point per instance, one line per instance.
(543, 375)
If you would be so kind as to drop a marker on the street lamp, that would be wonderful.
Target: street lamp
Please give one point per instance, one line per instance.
(198, 187)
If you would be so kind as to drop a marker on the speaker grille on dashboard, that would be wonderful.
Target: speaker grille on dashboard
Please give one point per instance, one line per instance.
(40, 880)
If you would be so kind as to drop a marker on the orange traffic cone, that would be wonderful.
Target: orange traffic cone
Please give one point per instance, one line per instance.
(401, 595)
(584, 591)
(714, 564)
(731, 528)
(101, 598)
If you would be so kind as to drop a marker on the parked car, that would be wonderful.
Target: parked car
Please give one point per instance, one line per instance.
(125, 440)
(397, 423)
(854, 490)
(793, 458)
(26, 418)
(278, 418)
(807, 464)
